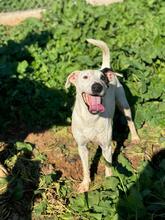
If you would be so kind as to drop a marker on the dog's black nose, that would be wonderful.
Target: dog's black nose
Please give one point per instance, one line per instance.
(97, 88)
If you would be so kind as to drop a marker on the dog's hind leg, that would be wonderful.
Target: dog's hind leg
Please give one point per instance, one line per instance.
(123, 105)
(107, 154)
(84, 185)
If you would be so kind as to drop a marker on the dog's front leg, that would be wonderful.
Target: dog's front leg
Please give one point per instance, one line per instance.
(124, 107)
(134, 136)
(84, 185)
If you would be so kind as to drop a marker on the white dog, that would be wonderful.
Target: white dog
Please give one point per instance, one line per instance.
(97, 93)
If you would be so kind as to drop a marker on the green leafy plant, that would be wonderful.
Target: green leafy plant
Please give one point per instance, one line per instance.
(35, 59)
(42, 53)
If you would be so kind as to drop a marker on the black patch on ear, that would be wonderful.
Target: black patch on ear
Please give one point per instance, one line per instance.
(105, 70)
(104, 78)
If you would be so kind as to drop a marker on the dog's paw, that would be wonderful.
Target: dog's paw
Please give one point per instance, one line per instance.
(83, 187)
(135, 140)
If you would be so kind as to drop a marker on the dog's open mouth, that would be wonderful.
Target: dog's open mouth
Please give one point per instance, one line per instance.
(94, 103)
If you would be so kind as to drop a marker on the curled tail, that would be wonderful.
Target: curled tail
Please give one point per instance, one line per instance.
(105, 52)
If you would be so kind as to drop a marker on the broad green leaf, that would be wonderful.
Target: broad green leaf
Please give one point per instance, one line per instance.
(23, 146)
(40, 208)
(22, 66)
(111, 183)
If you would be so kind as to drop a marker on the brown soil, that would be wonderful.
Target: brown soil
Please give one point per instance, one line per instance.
(61, 152)
(140, 152)
(15, 18)
(103, 2)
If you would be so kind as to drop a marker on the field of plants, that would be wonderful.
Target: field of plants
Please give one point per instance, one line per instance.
(36, 145)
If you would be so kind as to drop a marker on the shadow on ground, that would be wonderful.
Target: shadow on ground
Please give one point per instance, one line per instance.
(26, 106)
(146, 198)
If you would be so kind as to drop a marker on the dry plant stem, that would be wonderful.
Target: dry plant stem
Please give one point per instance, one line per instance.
(3, 171)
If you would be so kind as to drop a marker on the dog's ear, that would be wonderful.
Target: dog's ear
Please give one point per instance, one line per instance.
(108, 72)
(110, 75)
(72, 78)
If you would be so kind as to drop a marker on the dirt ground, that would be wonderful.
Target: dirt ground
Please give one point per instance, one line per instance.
(61, 151)
(103, 2)
(61, 157)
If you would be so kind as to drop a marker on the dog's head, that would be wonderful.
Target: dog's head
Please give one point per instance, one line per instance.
(92, 86)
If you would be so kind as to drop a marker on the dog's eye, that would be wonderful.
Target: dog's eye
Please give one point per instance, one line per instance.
(104, 78)
(85, 77)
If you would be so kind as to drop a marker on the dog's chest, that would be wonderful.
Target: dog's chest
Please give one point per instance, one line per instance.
(98, 130)
(93, 128)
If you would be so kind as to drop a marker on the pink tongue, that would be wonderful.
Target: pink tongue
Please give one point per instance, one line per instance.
(95, 104)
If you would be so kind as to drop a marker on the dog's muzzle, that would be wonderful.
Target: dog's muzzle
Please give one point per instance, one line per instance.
(97, 88)
(94, 103)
